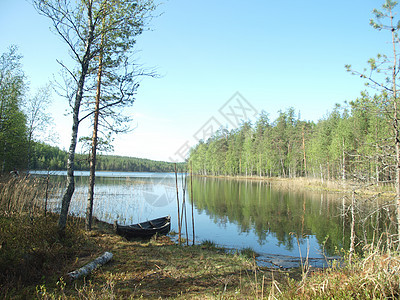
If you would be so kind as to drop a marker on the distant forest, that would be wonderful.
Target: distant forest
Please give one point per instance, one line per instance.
(354, 141)
(48, 157)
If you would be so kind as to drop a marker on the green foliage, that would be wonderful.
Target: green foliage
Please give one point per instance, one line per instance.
(132, 164)
(121, 23)
(18, 130)
(351, 142)
(13, 133)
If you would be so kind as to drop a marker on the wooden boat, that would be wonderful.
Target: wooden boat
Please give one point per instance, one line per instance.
(146, 229)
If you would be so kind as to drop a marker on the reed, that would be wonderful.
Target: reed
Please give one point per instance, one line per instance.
(30, 247)
(372, 275)
(248, 252)
(208, 244)
(18, 196)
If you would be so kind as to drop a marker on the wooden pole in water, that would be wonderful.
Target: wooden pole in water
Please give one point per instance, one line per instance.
(191, 196)
(183, 200)
(177, 201)
(184, 215)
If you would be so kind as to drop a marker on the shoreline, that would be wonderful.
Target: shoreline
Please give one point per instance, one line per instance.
(313, 184)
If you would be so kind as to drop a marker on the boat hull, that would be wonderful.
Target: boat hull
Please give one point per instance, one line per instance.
(146, 229)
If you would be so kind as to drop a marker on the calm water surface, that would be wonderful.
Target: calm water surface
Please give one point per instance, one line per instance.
(280, 224)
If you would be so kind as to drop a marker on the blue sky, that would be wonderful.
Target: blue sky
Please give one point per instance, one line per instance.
(276, 54)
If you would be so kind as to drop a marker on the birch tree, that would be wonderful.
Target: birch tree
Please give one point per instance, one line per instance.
(382, 75)
(79, 24)
(39, 121)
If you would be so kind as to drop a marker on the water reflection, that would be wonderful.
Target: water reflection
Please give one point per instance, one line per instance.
(233, 213)
(272, 216)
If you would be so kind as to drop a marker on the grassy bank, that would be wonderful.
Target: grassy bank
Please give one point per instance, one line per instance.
(160, 269)
(37, 264)
(34, 262)
(316, 184)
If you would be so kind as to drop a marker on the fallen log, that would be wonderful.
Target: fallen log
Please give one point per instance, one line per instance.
(86, 269)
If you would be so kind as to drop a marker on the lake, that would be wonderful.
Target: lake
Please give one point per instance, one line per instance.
(280, 224)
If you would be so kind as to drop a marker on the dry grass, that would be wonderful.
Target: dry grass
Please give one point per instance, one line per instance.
(159, 269)
(373, 277)
(30, 248)
(20, 196)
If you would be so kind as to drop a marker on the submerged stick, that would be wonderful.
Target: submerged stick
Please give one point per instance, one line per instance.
(86, 269)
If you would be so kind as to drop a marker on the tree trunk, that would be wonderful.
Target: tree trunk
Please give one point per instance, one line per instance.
(29, 150)
(304, 154)
(322, 174)
(328, 176)
(377, 165)
(344, 163)
(397, 168)
(69, 191)
(85, 270)
(283, 168)
(89, 208)
(396, 123)
(352, 228)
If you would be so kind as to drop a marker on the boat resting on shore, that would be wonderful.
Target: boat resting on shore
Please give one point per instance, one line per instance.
(160, 226)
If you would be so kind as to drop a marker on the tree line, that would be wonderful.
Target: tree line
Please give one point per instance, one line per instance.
(49, 157)
(353, 141)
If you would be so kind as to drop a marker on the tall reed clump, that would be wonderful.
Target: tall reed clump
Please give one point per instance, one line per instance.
(373, 276)
(30, 247)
